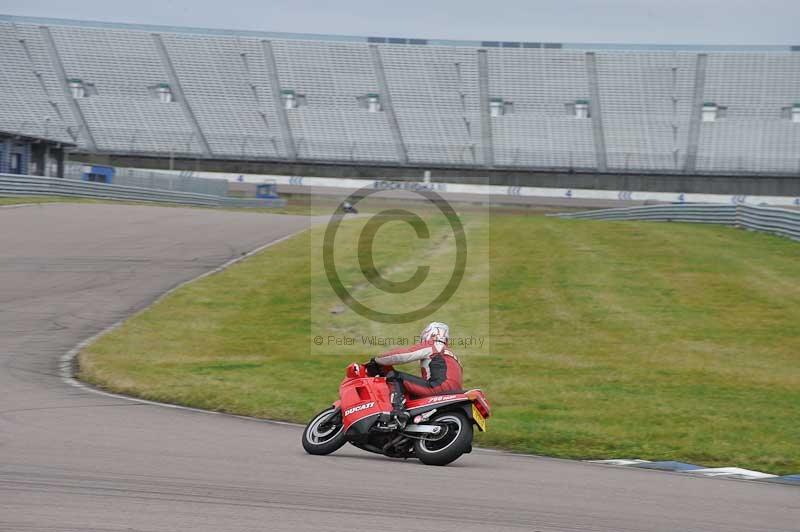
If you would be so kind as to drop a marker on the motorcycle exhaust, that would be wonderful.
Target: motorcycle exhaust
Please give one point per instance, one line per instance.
(423, 429)
(424, 417)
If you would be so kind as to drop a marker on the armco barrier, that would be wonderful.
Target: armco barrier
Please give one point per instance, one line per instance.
(135, 177)
(22, 185)
(497, 192)
(779, 221)
(783, 222)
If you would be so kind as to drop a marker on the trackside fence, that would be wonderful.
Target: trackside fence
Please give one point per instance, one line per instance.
(23, 185)
(144, 178)
(784, 222)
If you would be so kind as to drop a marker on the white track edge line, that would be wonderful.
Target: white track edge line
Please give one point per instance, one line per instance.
(18, 205)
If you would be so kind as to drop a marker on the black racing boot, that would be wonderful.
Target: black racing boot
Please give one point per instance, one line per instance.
(398, 419)
(399, 414)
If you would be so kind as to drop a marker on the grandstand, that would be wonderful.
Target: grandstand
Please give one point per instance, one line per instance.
(244, 95)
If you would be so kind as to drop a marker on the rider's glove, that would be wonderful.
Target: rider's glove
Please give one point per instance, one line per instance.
(373, 368)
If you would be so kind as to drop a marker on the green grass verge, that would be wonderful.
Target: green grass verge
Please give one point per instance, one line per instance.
(609, 339)
(18, 200)
(297, 206)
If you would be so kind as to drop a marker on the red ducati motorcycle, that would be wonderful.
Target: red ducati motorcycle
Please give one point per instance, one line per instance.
(439, 430)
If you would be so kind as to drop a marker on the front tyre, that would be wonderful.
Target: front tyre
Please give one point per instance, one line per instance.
(325, 433)
(447, 447)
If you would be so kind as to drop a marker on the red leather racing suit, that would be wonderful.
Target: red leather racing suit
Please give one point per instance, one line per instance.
(441, 370)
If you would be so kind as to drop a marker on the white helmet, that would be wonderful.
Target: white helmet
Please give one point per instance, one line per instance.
(436, 331)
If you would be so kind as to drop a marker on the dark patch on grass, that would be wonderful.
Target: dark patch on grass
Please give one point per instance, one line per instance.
(223, 366)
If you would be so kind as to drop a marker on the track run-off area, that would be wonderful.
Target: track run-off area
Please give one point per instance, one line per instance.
(75, 460)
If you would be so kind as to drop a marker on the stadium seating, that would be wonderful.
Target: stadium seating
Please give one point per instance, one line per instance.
(755, 135)
(332, 125)
(125, 68)
(228, 90)
(540, 132)
(438, 124)
(646, 101)
(225, 82)
(31, 102)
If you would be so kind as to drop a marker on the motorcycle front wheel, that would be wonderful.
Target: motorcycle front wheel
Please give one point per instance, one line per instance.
(448, 446)
(325, 433)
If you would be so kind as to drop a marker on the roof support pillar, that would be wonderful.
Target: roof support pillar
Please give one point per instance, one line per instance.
(177, 89)
(61, 74)
(277, 101)
(386, 102)
(486, 119)
(695, 121)
(595, 114)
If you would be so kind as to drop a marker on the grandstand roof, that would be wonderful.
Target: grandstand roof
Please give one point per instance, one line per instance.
(35, 138)
(398, 40)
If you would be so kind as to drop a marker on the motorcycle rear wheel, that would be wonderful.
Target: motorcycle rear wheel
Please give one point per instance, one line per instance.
(444, 449)
(325, 433)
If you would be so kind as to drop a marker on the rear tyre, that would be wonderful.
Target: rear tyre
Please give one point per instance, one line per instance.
(449, 446)
(325, 433)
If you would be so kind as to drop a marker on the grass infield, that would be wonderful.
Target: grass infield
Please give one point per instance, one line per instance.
(18, 200)
(295, 204)
(608, 339)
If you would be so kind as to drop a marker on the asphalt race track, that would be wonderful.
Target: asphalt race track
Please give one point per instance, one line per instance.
(73, 460)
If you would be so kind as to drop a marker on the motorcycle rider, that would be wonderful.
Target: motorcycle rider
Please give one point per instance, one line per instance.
(441, 370)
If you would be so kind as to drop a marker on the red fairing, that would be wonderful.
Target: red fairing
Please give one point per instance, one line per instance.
(363, 397)
(478, 398)
(435, 400)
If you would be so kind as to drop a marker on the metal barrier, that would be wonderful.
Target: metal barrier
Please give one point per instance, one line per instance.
(145, 178)
(24, 185)
(784, 222)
